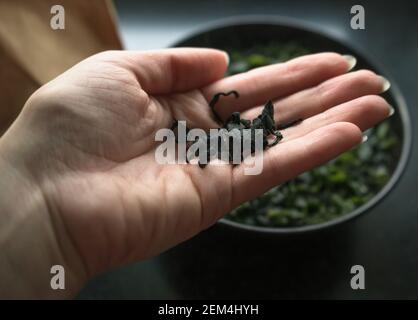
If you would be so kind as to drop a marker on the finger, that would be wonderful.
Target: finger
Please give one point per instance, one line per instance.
(330, 93)
(271, 82)
(177, 69)
(287, 160)
(364, 112)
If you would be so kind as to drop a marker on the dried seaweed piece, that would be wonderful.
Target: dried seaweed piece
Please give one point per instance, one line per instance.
(215, 99)
(265, 122)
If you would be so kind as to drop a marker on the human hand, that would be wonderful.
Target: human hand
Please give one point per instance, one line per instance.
(86, 143)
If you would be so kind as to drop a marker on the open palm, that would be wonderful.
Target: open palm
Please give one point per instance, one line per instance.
(98, 173)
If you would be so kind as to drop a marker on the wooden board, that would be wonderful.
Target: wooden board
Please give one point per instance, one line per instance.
(32, 53)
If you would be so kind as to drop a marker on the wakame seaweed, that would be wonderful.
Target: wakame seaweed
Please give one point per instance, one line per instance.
(329, 191)
(234, 127)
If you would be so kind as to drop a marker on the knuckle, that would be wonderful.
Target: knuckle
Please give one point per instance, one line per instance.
(330, 59)
(365, 77)
(342, 128)
(373, 101)
(327, 62)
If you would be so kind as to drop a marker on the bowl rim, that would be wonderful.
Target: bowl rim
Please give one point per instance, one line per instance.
(401, 108)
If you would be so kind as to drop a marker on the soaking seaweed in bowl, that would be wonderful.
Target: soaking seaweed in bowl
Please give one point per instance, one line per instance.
(326, 192)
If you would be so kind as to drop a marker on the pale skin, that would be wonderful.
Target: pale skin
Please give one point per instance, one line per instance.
(79, 183)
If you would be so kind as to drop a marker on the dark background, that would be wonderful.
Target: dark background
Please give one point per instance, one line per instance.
(221, 263)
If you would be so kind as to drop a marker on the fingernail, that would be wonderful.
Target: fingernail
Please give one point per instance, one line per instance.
(391, 111)
(386, 84)
(351, 61)
(226, 58)
(365, 138)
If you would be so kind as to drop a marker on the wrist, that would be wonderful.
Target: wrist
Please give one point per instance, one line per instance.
(32, 239)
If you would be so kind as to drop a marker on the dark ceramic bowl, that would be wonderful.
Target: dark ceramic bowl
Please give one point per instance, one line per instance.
(241, 33)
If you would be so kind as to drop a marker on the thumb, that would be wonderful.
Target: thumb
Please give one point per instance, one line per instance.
(177, 69)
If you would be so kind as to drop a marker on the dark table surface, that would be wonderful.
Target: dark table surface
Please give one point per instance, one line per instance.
(221, 263)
